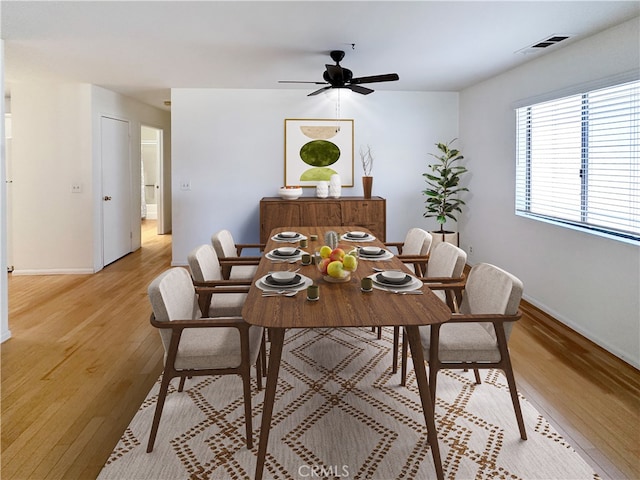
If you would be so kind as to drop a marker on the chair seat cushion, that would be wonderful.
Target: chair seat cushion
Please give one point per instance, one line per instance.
(204, 348)
(462, 342)
(227, 304)
(243, 272)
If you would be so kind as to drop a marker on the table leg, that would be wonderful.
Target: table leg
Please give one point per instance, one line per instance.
(277, 341)
(417, 355)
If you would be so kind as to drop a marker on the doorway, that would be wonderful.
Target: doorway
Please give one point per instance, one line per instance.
(151, 155)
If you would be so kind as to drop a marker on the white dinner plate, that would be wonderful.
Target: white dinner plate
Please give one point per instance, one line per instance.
(262, 284)
(385, 255)
(413, 284)
(297, 238)
(366, 238)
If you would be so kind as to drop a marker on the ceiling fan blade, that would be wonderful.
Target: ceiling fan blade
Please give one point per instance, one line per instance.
(319, 91)
(296, 81)
(389, 77)
(359, 89)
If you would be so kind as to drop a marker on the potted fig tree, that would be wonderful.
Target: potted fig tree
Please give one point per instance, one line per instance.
(443, 191)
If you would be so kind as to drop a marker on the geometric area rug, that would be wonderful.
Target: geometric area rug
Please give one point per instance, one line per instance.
(340, 413)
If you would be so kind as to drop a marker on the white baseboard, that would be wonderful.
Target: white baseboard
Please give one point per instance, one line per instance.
(5, 336)
(55, 271)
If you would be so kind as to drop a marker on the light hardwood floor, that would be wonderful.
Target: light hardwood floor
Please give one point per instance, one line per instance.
(83, 356)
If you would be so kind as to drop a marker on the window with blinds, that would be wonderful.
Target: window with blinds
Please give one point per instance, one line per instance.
(577, 161)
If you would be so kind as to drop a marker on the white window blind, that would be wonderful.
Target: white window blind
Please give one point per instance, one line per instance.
(578, 160)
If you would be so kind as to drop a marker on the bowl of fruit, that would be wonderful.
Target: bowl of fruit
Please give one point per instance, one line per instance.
(335, 264)
(290, 193)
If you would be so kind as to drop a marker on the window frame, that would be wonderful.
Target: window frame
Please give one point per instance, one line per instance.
(523, 121)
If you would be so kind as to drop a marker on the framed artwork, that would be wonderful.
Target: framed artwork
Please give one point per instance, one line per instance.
(315, 149)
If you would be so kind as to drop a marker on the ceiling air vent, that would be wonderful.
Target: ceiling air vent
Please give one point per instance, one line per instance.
(542, 44)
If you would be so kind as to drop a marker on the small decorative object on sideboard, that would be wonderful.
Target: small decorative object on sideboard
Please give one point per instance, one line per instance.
(367, 165)
(290, 193)
(335, 186)
(322, 189)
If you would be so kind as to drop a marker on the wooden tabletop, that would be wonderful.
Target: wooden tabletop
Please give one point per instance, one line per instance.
(340, 304)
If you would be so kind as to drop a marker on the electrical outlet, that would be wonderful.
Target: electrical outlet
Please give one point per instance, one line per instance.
(470, 249)
(76, 188)
(185, 185)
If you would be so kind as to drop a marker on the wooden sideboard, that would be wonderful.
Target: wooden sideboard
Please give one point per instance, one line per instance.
(370, 213)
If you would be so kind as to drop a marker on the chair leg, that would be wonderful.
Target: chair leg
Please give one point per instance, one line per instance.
(263, 352)
(434, 360)
(477, 375)
(246, 382)
(181, 386)
(403, 364)
(162, 395)
(396, 341)
(379, 333)
(505, 360)
(259, 371)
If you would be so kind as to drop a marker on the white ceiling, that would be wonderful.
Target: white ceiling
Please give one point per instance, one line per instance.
(142, 49)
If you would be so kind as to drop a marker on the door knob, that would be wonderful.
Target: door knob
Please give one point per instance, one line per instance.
(107, 198)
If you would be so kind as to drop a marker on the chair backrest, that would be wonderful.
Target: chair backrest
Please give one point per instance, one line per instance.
(417, 242)
(173, 297)
(446, 260)
(223, 244)
(490, 289)
(204, 264)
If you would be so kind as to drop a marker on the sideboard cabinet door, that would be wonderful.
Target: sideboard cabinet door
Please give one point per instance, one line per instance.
(369, 213)
(278, 214)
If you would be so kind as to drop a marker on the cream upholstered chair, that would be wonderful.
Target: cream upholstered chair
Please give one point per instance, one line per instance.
(196, 346)
(414, 253)
(234, 265)
(206, 272)
(414, 250)
(446, 265)
(476, 336)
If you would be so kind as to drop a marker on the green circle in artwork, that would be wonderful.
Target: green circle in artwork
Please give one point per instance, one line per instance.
(317, 174)
(319, 153)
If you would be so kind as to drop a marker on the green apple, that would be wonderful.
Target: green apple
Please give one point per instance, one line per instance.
(336, 270)
(350, 263)
(325, 251)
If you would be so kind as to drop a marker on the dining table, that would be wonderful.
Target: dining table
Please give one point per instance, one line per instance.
(339, 305)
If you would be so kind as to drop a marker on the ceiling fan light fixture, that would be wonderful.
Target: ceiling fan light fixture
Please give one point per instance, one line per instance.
(337, 76)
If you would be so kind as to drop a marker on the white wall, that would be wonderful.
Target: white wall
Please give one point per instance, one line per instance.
(590, 283)
(51, 148)
(229, 144)
(56, 143)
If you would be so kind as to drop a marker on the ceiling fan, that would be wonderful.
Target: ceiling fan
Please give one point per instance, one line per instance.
(336, 76)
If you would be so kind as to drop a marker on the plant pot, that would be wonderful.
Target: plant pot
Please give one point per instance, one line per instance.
(367, 184)
(449, 237)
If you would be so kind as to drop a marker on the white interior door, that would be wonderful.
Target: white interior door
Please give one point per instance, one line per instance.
(116, 189)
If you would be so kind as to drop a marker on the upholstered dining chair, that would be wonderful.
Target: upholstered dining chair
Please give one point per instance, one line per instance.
(206, 272)
(414, 250)
(414, 253)
(234, 264)
(446, 265)
(196, 345)
(477, 335)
